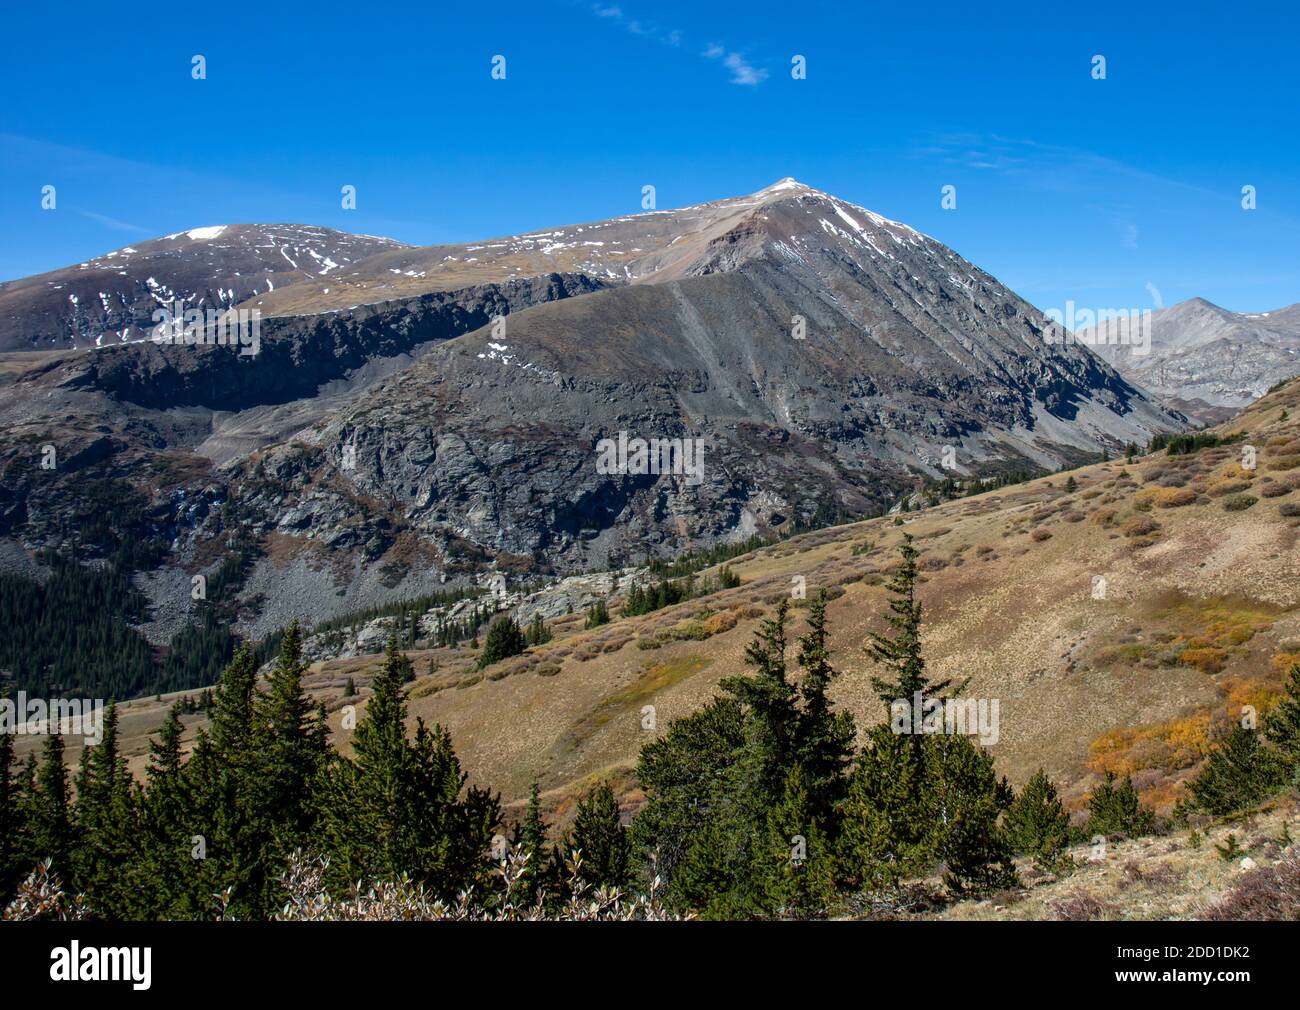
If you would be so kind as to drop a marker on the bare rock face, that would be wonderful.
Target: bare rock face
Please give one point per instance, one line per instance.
(782, 358)
(1203, 360)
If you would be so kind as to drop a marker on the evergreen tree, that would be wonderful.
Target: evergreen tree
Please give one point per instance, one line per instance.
(968, 799)
(13, 827)
(798, 869)
(53, 833)
(598, 612)
(889, 828)
(1116, 810)
(825, 738)
(224, 814)
(685, 776)
(504, 639)
(1037, 824)
(1240, 772)
(537, 633)
(1282, 726)
(107, 826)
(167, 867)
(599, 835)
(366, 834)
(530, 838)
(901, 654)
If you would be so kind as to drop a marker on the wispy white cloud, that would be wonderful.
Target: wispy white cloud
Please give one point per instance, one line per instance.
(743, 71)
(114, 223)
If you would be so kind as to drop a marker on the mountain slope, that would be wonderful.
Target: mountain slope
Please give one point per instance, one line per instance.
(110, 299)
(905, 350)
(1206, 361)
(826, 359)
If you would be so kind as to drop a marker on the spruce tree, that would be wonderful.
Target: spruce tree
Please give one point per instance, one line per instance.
(968, 800)
(504, 639)
(107, 825)
(824, 743)
(13, 828)
(53, 833)
(1240, 772)
(366, 830)
(167, 869)
(530, 837)
(797, 867)
(1282, 726)
(1037, 824)
(1116, 809)
(599, 835)
(889, 831)
(901, 654)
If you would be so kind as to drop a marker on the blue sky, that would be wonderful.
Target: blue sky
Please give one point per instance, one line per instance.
(1100, 191)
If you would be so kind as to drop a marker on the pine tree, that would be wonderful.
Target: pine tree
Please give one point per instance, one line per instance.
(166, 869)
(968, 800)
(224, 813)
(1037, 824)
(824, 743)
(1071, 485)
(364, 826)
(797, 866)
(107, 826)
(770, 704)
(53, 834)
(530, 837)
(598, 612)
(537, 633)
(13, 827)
(685, 775)
(504, 639)
(599, 835)
(1282, 725)
(1116, 810)
(889, 830)
(901, 654)
(1240, 772)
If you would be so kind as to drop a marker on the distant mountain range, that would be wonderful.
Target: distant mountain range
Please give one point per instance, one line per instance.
(422, 416)
(1204, 360)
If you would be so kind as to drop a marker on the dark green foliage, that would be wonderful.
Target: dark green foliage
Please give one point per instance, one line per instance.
(597, 614)
(796, 863)
(901, 654)
(1282, 725)
(1188, 442)
(49, 810)
(107, 825)
(72, 635)
(504, 639)
(889, 830)
(824, 738)
(968, 798)
(1240, 772)
(684, 775)
(1115, 810)
(397, 806)
(644, 599)
(602, 840)
(13, 825)
(1037, 824)
(727, 579)
(1071, 485)
(530, 837)
(537, 633)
